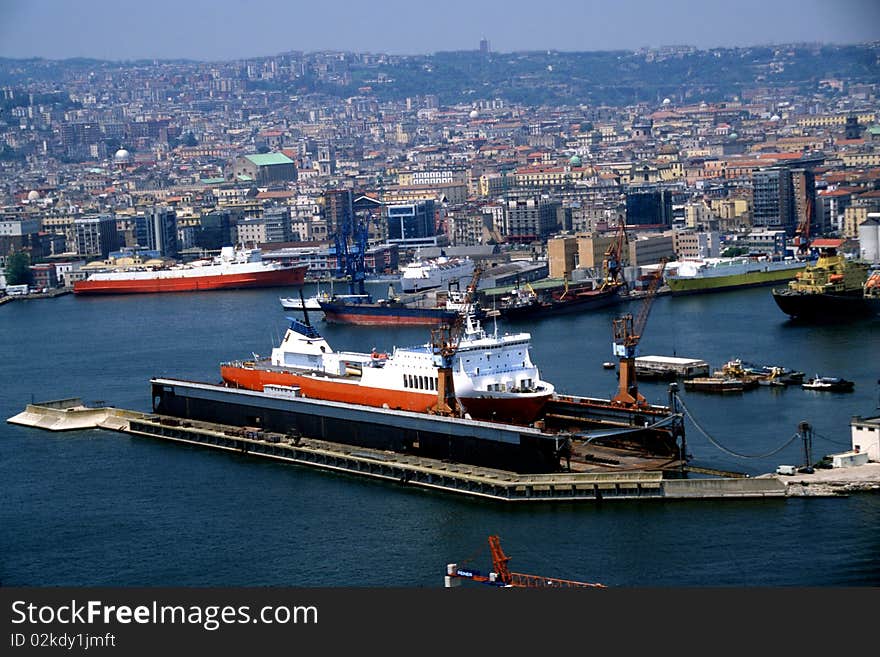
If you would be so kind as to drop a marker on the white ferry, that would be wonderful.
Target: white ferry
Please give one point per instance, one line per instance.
(436, 272)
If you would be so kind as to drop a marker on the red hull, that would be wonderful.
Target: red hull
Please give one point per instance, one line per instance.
(273, 278)
(381, 320)
(328, 389)
(521, 410)
(495, 409)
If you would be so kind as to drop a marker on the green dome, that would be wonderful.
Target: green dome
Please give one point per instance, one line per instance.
(575, 161)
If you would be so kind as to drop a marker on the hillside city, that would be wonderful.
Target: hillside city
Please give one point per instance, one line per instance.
(529, 162)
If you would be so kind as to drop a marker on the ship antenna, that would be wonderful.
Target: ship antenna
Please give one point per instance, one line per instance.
(305, 310)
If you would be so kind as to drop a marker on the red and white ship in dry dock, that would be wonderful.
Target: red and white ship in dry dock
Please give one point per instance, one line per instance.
(231, 270)
(493, 375)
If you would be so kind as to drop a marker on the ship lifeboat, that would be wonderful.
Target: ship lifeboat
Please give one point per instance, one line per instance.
(836, 278)
(377, 359)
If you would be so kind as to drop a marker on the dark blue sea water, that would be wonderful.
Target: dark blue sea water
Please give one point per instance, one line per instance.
(99, 508)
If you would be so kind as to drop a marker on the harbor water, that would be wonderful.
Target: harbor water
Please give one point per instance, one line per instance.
(100, 508)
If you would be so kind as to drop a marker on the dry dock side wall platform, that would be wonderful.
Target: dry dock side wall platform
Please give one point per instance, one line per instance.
(521, 449)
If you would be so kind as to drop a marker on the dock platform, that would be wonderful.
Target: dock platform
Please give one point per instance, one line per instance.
(614, 483)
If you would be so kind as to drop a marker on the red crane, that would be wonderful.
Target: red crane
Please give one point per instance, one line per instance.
(502, 576)
(627, 333)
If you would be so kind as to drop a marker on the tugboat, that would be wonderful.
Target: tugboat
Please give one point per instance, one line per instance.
(833, 288)
(828, 384)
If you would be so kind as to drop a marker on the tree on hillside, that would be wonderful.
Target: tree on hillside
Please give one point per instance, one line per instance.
(18, 270)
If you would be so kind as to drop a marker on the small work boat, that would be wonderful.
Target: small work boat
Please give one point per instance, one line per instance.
(829, 384)
(608, 365)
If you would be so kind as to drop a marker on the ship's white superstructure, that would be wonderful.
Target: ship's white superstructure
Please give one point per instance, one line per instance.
(493, 375)
(436, 272)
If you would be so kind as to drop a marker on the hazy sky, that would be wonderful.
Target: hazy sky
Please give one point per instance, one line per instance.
(229, 29)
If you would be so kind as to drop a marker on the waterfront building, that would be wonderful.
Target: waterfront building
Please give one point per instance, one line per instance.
(96, 235)
(251, 231)
(277, 223)
(216, 230)
(773, 199)
(338, 209)
(530, 219)
(161, 227)
(696, 244)
(562, 256)
(18, 234)
(651, 207)
(410, 221)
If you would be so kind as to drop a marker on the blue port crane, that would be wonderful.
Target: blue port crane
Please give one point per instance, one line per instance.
(350, 241)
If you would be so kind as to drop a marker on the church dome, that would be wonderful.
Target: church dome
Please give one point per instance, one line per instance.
(33, 195)
(474, 114)
(122, 156)
(575, 161)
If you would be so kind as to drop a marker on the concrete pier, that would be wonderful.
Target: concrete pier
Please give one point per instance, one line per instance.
(410, 470)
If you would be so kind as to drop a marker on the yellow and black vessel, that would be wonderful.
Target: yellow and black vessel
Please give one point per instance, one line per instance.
(833, 288)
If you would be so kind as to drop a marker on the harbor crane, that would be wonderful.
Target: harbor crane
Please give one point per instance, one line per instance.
(802, 232)
(627, 333)
(444, 343)
(613, 262)
(501, 575)
(350, 242)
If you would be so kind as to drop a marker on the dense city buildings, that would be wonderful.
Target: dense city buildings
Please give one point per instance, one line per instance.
(709, 152)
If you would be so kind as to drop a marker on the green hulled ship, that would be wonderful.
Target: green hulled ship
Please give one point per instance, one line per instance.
(715, 274)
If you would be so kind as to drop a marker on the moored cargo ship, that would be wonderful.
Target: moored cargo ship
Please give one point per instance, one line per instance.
(577, 298)
(715, 274)
(834, 288)
(232, 269)
(437, 272)
(341, 310)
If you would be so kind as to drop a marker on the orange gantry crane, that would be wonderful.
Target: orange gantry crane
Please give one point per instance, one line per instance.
(627, 333)
(502, 576)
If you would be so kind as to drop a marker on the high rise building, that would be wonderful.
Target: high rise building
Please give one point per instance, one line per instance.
(773, 199)
(277, 222)
(648, 207)
(96, 236)
(530, 219)
(408, 221)
(215, 230)
(161, 222)
(338, 209)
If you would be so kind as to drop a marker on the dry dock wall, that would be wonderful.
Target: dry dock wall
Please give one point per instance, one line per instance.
(521, 449)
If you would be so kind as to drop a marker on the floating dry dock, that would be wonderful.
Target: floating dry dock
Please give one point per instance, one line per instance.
(607, 482)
